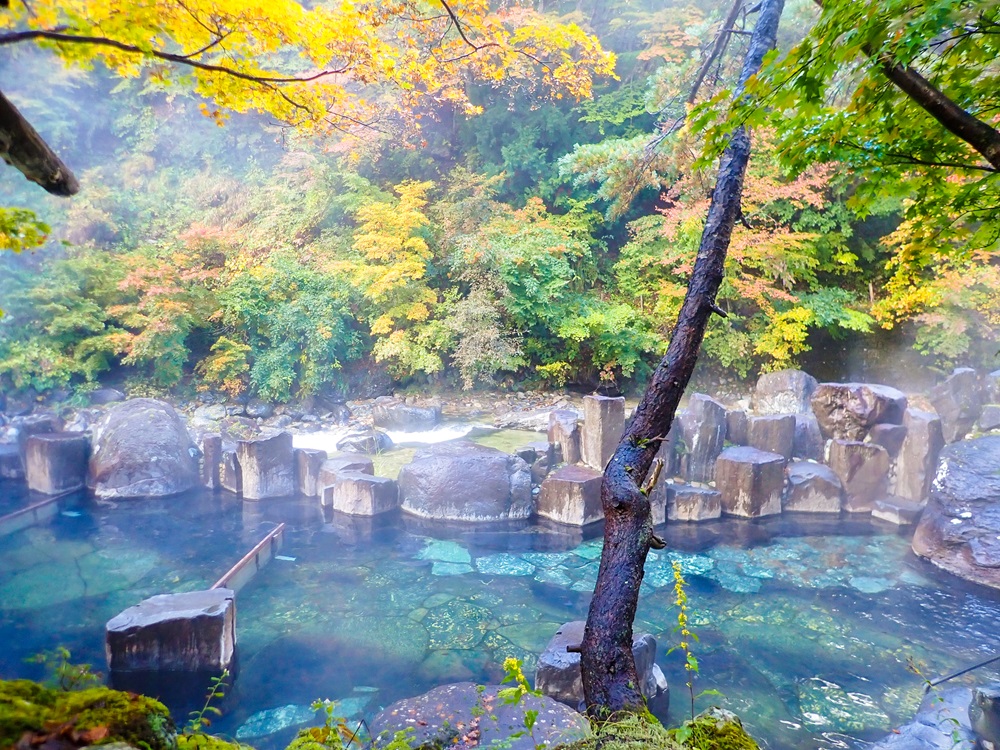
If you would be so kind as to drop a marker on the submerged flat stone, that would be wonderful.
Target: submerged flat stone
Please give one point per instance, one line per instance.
(445, 551)
(504, 564)
(264, 723)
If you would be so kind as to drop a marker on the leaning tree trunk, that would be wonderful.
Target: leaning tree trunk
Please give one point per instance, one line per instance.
(610, 682)
(24, 149)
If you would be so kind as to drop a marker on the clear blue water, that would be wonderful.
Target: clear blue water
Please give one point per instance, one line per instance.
(806, 627)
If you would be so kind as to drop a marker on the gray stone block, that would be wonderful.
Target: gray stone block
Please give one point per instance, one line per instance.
(189, 632)
(56, 462)
(359, 494)
(750, 481)
(267, 466)
(572, 495)
(603, 427)
(863, 468)
(812, 488)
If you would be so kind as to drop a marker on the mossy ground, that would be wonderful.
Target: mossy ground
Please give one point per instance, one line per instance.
(91, 716)
(711, 730)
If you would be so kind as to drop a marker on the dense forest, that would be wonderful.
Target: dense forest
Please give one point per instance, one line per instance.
(520, 235)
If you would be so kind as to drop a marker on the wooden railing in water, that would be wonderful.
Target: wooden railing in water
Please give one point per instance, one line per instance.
(263, 552)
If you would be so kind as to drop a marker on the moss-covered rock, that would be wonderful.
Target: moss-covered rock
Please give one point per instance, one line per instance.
(199, 741)
(94, 716)
(715, 729)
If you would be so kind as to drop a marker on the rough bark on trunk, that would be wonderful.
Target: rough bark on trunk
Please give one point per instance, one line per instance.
(24, 149)
(610, 681)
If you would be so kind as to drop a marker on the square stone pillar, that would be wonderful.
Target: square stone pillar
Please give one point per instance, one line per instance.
(603, 427)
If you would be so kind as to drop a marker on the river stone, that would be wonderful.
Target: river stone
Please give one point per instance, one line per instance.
(701, 435)
(989, 418)
(783, 392)
(897, 510)
(308, 464)
(959, 529)
(142, 448)
(750, 481)
(941, 723)
(957, 401)
(808, 442)
(273, 720)
(56, 462)
(889, 436)
(267, 466)
(465, 481)
(257, 409)
(918, 457)
(211, 462)
(360, 494)
(603, 426)
(812, 488)
(683, 502)
(465, 715)
(558, 672)
(736, 427)
(774, 433)
(103, 396)
(190, 632)
(564, 431)
(847, 411)
(864, 470)
(392, 414)
(984, 715)
(365, 441)
(572, 495)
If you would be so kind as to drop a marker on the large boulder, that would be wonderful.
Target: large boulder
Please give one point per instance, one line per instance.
(558, 673)
(700, 435)
(846, 411)
(918, 456)
(960, 529)
(365, 441)
(958, 401)
(750, 481)
(603, 426)
(783, 392)
(308, 464)
(391, 414)
(190, 632)
(466, 715)
(465, 481)
(142, 448)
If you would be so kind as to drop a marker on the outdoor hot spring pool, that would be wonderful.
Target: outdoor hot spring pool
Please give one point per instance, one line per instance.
(807, 629)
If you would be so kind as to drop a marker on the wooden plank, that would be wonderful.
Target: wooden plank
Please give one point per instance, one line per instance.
(262, 553)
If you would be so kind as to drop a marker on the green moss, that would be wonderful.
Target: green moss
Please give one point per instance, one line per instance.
(715, 729)
(132, 719)
(200, 741)
(631, 732)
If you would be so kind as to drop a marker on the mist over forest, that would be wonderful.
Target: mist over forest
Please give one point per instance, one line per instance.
(544, 241)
